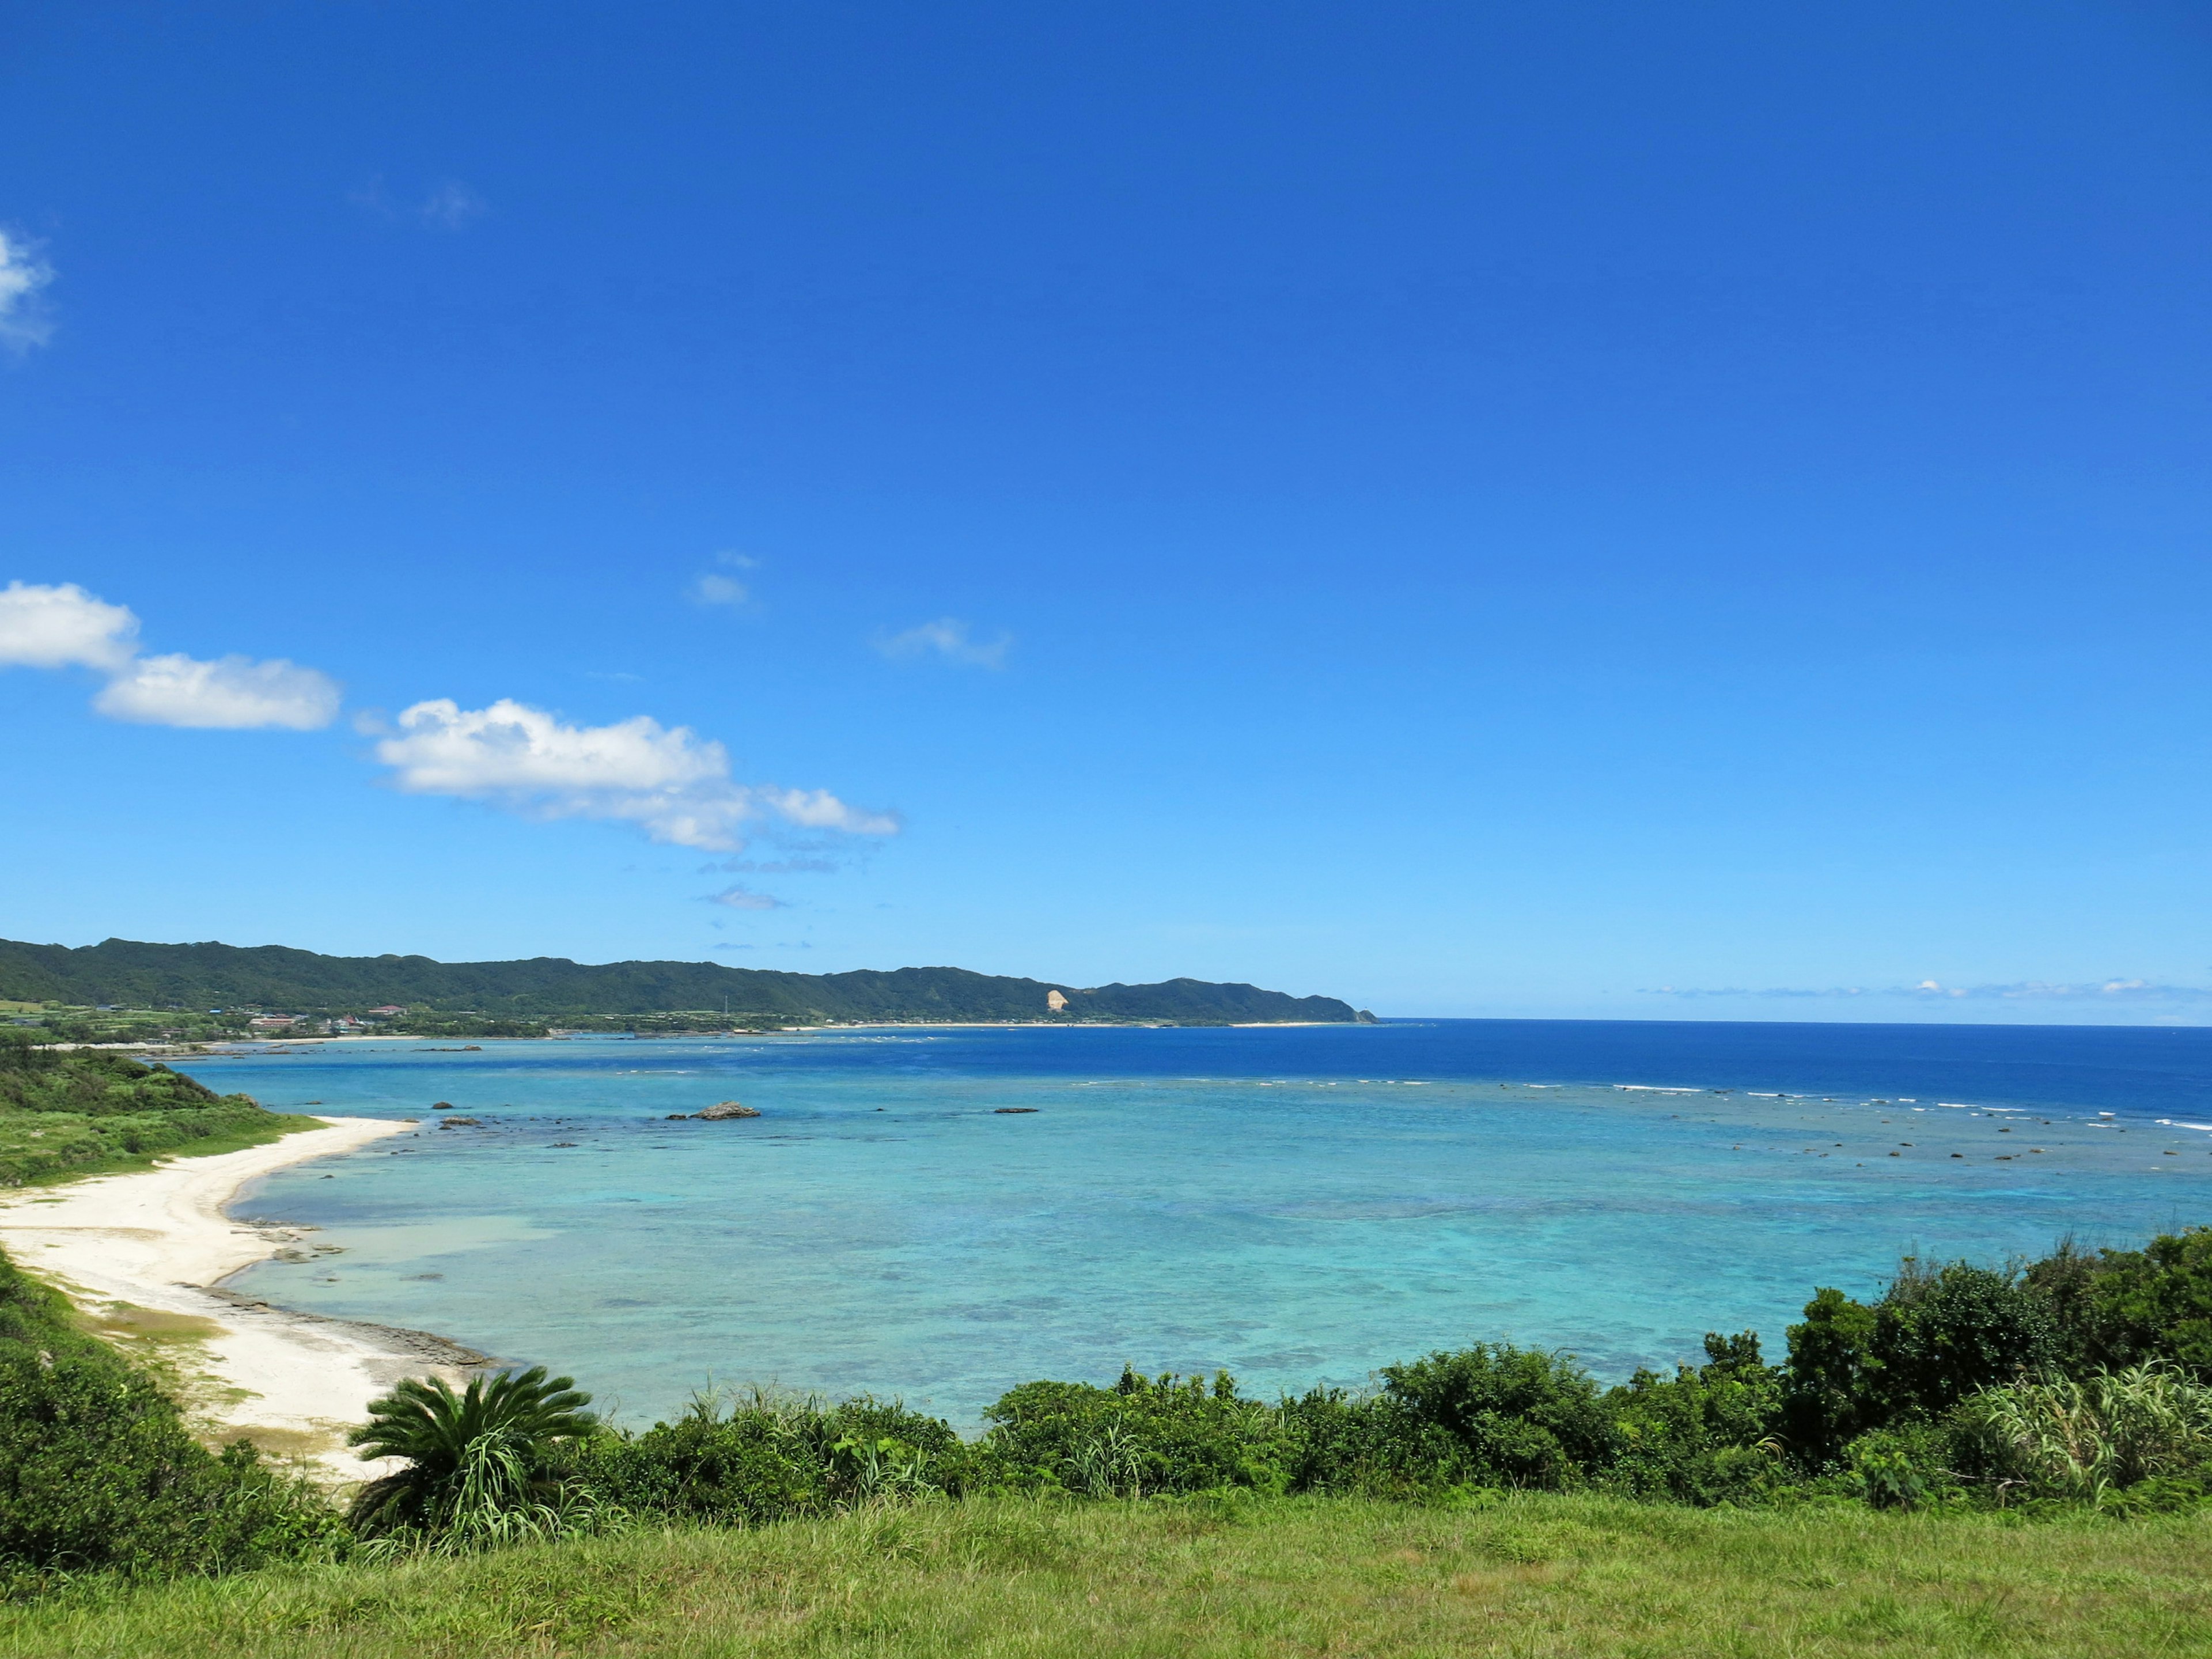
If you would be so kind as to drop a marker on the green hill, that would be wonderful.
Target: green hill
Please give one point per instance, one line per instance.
(129, 974)
(65, 1114)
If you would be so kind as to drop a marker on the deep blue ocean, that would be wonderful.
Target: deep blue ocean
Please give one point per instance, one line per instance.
(1293, 1205)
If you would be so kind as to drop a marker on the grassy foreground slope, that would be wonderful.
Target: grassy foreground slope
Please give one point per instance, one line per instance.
(1532, 1575)
(129, 973)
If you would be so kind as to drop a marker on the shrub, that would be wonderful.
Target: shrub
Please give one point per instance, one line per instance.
(1944, 1335)
(1514, 1417)
(1903, 1467)
(769, 1458)
(1934, 1338)
(2122, 1308)
(99, 1473)
(1143, 1437)
(1705, 1435)
(2084, 1439)
(481, 1465)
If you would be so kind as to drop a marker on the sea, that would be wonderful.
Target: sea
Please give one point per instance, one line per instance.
(936, 1214)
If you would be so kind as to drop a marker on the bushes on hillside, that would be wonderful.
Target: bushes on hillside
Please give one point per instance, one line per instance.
(1936, 1337)
(765, 1458)
(97, 1472)
(2118, 1308)
(1959, 1384)
(63, 1111)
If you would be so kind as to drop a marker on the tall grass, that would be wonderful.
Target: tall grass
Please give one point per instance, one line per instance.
(2086, 1438)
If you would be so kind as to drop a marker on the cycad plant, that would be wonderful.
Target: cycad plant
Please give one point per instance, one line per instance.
(480, 1464)
(2082, 1439)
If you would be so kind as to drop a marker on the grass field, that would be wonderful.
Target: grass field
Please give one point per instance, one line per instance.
(1531, 1576)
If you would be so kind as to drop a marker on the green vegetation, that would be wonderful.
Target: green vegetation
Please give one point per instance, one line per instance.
(481, 1465)
(99, 1474)
(193, 978)
(1527, 1574)
(65, 1114)
(1951, 1469)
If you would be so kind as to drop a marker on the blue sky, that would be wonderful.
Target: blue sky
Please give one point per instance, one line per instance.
(1628, 510)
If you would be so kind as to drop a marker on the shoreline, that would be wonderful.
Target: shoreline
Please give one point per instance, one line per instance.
(144, 1255)
(217, 1047)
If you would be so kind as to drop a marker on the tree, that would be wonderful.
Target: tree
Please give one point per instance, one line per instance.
(480, 1464)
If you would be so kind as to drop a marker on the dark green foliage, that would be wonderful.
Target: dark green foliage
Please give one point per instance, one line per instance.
(1514, 1417)
(97, 1471)
(64, 1112)
(769, 1459)
(1833, 1392)
(1705, 1435)
(38, 1078)
(1934, 1338)
(487, 1452)
(1143, 1437)
(2121, 1308)
(201, 977)
(1941, 1335)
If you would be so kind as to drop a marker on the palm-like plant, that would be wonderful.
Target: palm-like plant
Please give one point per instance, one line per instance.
(479, 1464)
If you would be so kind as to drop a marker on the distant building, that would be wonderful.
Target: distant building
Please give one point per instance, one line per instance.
(385, 1013)
(1053, 1000)
(270, 1023)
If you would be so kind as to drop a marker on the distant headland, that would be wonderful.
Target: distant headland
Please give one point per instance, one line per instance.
(111, 989)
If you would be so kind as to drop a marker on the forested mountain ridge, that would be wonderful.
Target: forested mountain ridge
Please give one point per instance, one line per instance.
(128, 972)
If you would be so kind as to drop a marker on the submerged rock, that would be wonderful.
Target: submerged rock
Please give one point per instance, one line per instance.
(458, 1123)
(727, 1108)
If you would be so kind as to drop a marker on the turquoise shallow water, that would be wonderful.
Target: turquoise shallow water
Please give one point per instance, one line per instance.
(1292, 1205)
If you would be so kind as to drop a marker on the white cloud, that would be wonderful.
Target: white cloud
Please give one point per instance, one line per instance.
(451, 205)
(672, 783)
(818, 809)
(947, 638)
(740, 898)
(63, 627)
(713, 589)
(2121, 990)
(23, 320)
(231, 693)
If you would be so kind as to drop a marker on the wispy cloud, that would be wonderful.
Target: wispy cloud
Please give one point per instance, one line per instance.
(743, 898)
(947, 639)
(62, 626)
(793, 866)
(718, 586)
(450, 205)
(24, 322)
(1929, 990)
(714, 588)
(669, 781)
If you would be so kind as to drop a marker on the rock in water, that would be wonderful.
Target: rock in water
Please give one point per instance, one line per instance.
(458, 1124)
(441, 1105)
(727, 1108)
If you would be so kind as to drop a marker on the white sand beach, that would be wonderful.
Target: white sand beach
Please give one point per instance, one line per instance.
(144, 1254)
